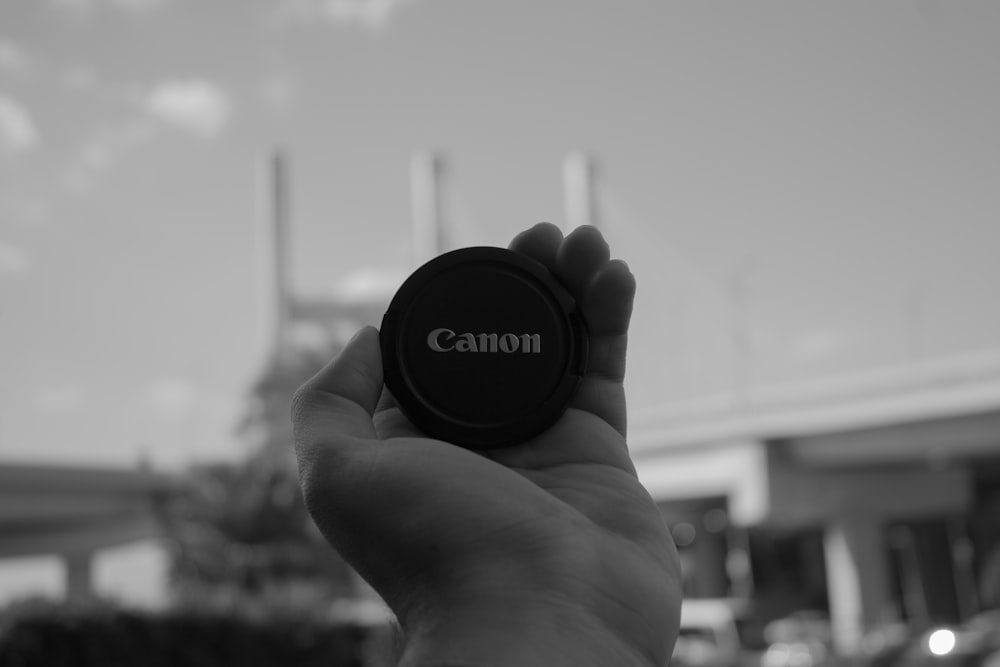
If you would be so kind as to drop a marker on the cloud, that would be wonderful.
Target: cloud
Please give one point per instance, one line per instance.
(17, 129)
(89, 6)
(81, 77)
(172, 397)
(372, 14)
(277, 92)
(13, 259)
(12, 58)
(59, 399)
(22, 208)
(106, 146)
(111, 141)
(816, 345)
(136, 5)
(195, 105)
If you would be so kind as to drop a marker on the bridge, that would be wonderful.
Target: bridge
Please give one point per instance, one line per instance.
(74, 512)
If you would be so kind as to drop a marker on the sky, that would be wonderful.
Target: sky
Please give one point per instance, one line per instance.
(803, 189)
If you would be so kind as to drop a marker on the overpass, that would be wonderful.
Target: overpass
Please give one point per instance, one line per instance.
(74, 512)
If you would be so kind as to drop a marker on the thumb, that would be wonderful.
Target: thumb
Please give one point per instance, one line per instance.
(334, 408)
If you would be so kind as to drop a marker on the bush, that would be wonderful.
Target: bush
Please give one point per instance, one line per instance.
(46, 634)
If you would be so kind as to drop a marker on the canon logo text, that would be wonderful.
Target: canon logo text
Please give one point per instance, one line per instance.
(446, 340)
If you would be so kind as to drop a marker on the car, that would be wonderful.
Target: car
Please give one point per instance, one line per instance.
(801, 639)
(973, 643)
(712, 634)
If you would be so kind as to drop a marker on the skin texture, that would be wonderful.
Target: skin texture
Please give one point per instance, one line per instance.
(549, 552)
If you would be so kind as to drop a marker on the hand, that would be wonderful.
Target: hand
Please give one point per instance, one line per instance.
(549, 552)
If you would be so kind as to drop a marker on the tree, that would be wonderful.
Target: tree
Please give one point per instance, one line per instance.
(242, 530)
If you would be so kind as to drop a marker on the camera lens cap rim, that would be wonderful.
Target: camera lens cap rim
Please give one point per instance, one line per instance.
(429, 414)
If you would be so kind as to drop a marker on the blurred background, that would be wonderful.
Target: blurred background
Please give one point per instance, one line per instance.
(200, 202)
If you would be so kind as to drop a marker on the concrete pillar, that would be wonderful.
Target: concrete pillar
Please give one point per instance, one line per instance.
(79, 580)
(710, 554)
(857, 572)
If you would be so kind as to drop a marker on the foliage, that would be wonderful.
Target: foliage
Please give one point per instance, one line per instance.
(37, 633)
(240, 532)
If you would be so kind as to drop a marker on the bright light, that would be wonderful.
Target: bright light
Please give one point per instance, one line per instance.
(941, 642)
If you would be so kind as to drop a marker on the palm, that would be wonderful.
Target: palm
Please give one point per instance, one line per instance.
(563, 473)
(548, 499)
(562, 513)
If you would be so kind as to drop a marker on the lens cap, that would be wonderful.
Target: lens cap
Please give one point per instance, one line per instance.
(483, 347)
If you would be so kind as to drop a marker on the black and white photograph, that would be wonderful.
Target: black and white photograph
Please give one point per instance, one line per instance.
(471, 333)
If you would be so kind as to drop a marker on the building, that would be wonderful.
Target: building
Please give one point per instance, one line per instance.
(876, 496)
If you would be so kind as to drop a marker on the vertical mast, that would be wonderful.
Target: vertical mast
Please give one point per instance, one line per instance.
(429, 237)
(579, 176)
(274, 254)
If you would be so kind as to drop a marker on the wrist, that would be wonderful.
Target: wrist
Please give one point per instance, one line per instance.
(515, 631)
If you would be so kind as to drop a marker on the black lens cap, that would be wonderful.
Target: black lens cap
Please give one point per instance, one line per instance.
(483, 347)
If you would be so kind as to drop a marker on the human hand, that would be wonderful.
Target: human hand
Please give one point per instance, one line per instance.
(549, 552)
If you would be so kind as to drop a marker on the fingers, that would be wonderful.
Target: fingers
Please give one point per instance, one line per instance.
(337, 404)
(604, 288)
(541, 243)
(580, 257)
(390, 421)
(607, 304)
